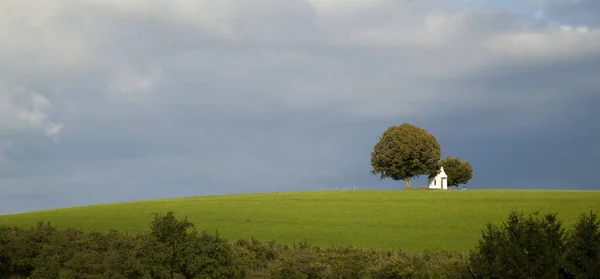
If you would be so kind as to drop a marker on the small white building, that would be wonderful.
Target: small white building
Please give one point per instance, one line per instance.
(438, 180)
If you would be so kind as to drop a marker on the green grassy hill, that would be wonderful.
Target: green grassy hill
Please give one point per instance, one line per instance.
(408, 220)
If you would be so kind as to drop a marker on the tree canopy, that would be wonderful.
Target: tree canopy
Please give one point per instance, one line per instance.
(405, 151)
(458, 171)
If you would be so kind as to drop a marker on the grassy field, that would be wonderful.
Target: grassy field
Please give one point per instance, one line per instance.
(408, 220)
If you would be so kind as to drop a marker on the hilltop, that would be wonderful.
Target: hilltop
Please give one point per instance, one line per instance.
(397, 219)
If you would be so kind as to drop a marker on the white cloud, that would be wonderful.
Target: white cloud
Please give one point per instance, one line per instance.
(435, 30)
(41, 38)
(559, 41)
(336, 7)
(130, 85)
(23, 111)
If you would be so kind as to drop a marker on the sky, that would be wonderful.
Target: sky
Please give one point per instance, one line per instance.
(119, 100)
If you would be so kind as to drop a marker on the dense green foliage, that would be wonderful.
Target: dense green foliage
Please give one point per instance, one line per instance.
(173, 249)
(538, 247)
(413, 221)
(405, 151)
(532, 247)
(459, 172)
(522, 248)
(583, 248)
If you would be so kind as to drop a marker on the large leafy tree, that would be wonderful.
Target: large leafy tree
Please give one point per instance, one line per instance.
(405, 151)
(459, 172)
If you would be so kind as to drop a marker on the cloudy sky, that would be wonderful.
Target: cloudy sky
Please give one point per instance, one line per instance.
(117, 100)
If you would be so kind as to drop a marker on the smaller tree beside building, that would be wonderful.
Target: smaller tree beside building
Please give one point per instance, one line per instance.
(459, 172)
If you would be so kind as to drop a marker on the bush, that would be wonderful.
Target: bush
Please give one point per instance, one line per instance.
(253, 253)
(583, 252)
(7, 240)
(430, 264)
(298, 263)
(529, 247)
(522, 247)
(398, 266)
(186, 253)
(173, 249)
(307, 261)
(440, 264)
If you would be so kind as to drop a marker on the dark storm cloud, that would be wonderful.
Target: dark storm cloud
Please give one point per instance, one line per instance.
(201, 97)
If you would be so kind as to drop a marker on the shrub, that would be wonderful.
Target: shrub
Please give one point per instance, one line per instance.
(297, 263)
(529, 247)
(522, 247)
(7, 240)
(440, 264)
(191, 254)
(398, 266)
(253, 257)
(583, 252)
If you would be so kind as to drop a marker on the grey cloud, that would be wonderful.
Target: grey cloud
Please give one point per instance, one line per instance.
(190, 98)
(579, 12)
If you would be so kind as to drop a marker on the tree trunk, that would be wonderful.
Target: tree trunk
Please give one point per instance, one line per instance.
(408, 183)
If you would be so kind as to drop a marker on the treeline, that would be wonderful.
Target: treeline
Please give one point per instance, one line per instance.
(532, 246)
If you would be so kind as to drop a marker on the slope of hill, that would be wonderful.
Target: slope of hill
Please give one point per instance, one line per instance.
(407, 220)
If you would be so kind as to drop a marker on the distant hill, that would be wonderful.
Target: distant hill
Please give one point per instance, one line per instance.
(399, 219)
